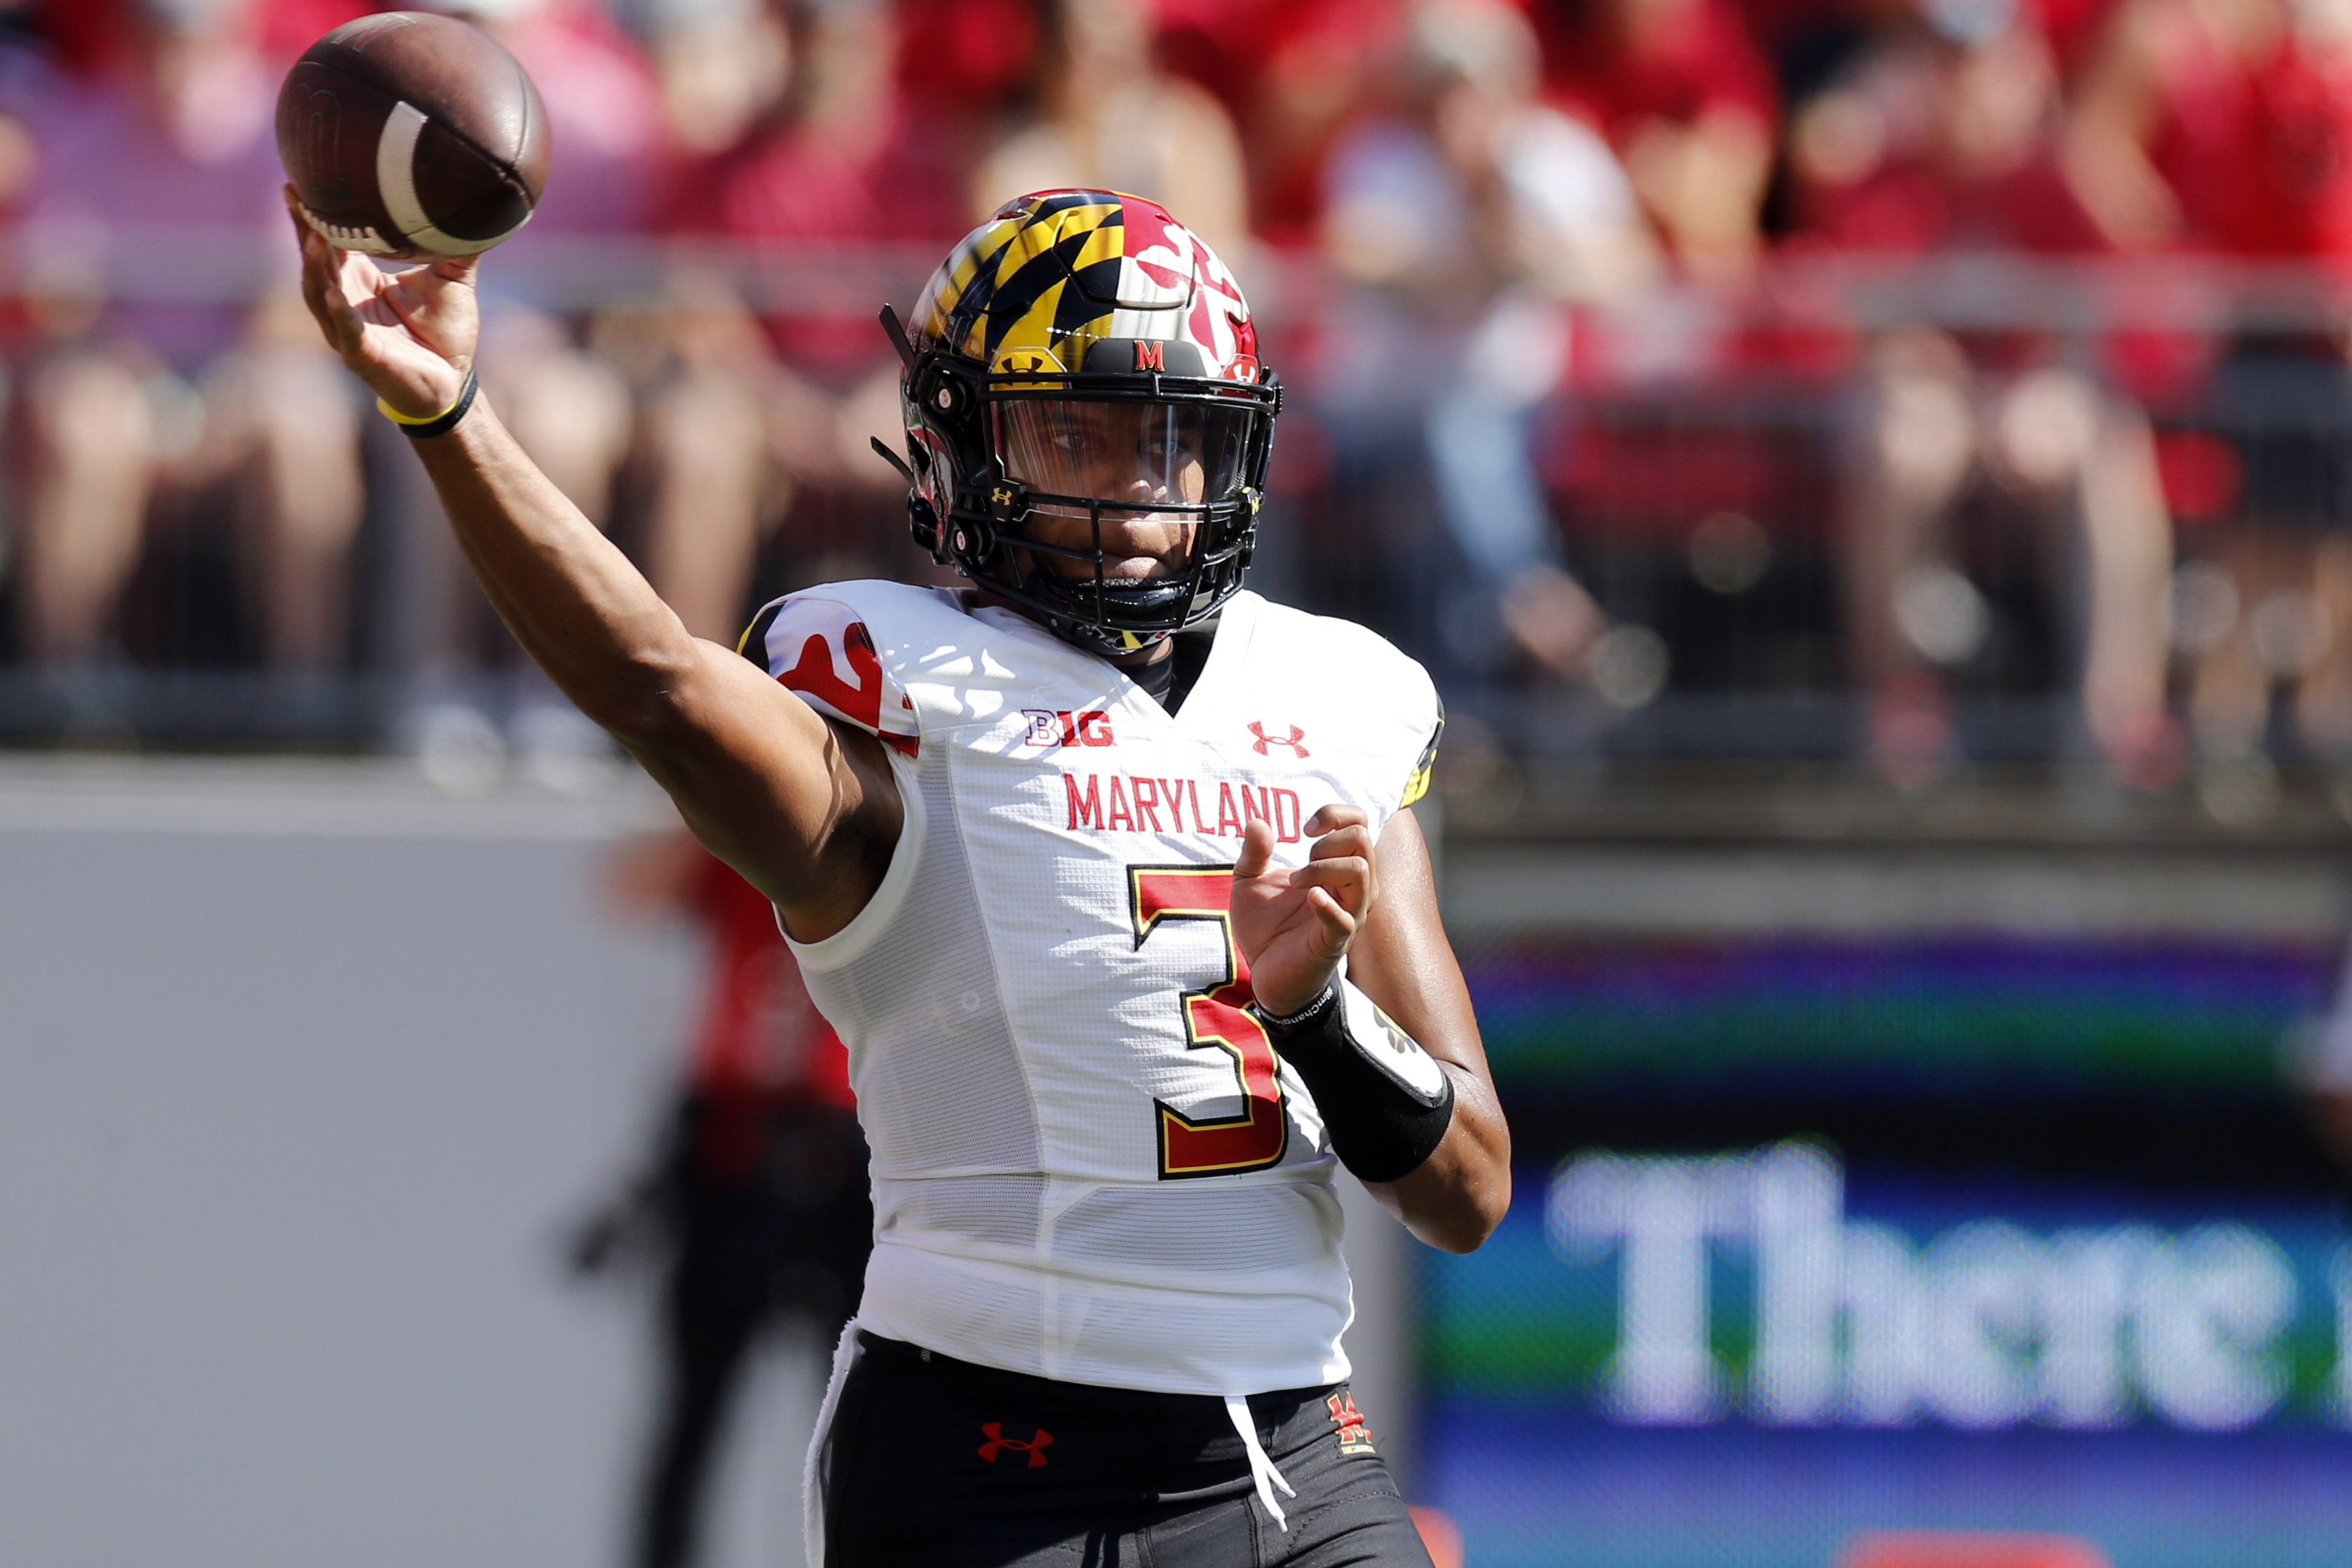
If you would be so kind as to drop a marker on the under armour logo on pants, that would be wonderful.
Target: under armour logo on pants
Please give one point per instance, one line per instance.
(999, 1443)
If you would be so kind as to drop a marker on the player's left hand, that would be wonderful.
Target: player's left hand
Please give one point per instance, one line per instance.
(1294, 926)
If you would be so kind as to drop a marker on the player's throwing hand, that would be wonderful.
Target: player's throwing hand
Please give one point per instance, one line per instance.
(1294, 926)
(410, 335)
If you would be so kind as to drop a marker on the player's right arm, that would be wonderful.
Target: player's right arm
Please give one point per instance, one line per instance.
(806, 810)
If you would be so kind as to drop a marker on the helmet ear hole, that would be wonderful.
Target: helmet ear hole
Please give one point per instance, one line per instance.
(948, 396)
(972, 538)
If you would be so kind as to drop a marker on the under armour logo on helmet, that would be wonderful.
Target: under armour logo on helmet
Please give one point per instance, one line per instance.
(999, 1443)
(1000, 496)
(1264, 740)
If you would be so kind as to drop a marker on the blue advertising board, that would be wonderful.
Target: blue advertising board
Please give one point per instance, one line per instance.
(1749, 1354)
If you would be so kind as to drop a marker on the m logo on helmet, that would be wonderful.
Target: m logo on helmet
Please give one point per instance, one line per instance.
(1149, 356)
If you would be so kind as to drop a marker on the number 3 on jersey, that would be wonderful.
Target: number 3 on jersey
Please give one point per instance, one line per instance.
(1216, 1016)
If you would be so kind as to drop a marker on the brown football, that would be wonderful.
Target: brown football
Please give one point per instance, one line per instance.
(412, 136)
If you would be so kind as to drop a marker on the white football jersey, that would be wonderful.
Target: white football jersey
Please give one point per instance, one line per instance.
(1089, 1162)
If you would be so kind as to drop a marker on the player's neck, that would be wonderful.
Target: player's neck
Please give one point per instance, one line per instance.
(1160, 650)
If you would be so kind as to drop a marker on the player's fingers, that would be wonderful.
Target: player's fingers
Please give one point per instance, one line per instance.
(322, 292)
(419, 308)
(1355, 840)
(1339, 873)
(1335, 925)
(1257, 849)
(303, 236)
(314, 287)
(341, 314)
(459, 269)
(1330, 818)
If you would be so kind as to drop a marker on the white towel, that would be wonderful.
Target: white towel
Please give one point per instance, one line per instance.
(844, 1356)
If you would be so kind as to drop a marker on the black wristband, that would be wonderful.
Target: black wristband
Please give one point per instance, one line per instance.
(440, 423)
(1325, 999)
(1385, 1101)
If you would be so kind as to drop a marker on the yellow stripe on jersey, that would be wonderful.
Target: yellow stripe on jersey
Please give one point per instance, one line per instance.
(1418, 784)
(757, 631)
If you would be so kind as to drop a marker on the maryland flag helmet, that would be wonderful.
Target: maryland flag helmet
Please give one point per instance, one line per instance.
(1083, 353)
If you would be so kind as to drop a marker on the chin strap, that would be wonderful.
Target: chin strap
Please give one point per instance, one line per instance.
(1261, 1468)
(895, 461)
(897, 330)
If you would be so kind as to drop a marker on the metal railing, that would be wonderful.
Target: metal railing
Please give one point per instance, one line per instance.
(1706, 463)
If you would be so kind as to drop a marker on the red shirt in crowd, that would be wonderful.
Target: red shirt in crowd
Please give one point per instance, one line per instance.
(1636, 60)
(92, 35)
(2258, 153)
(803, 192)
(1926, 144)
(760, 1036)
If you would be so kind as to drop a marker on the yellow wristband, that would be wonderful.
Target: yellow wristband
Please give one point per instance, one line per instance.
(431, 424)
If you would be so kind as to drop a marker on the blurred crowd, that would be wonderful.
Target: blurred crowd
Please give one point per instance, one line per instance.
(1920, 349)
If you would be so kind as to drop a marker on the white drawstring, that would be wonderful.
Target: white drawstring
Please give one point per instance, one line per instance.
(1261, 1468)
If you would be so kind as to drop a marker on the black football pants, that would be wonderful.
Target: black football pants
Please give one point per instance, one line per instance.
(939, 1463)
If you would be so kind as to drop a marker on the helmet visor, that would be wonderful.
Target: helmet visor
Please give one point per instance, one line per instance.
(1129, 451)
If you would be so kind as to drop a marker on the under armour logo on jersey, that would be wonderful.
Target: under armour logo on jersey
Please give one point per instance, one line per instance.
(1265, 743)
(998, 1443)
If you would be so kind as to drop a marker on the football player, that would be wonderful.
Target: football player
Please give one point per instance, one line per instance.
(1103, 867)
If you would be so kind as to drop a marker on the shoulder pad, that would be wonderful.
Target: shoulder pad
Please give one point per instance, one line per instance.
(822, 649)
